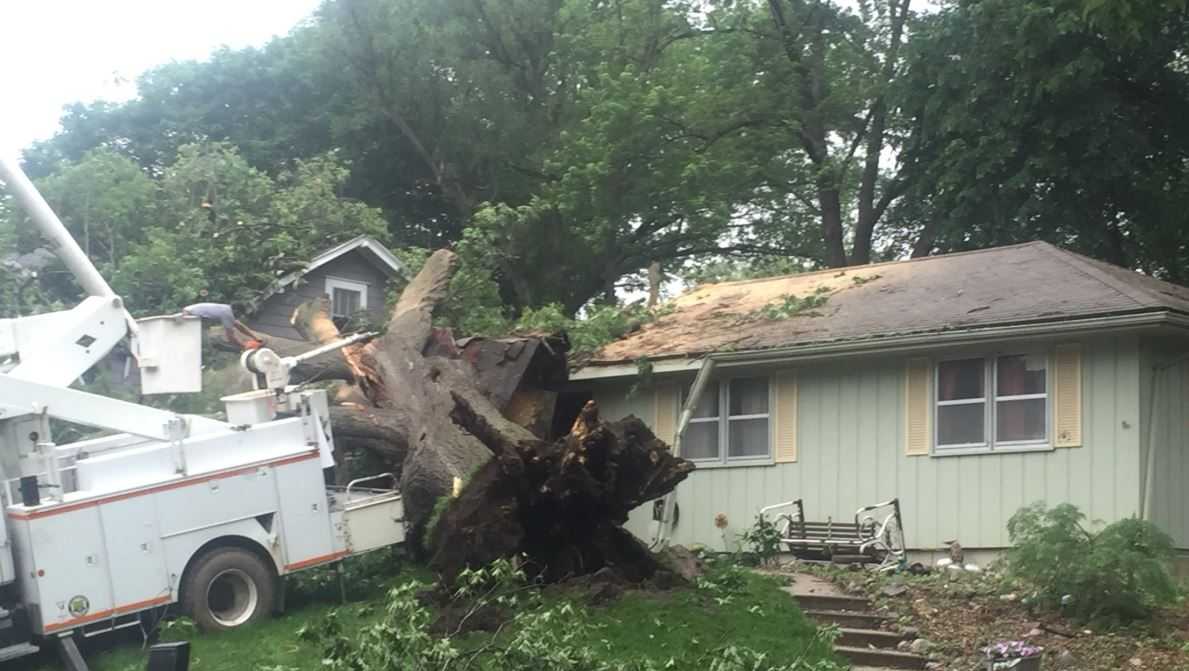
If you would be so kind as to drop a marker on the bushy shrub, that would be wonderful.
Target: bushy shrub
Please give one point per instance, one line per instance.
(1119, 574)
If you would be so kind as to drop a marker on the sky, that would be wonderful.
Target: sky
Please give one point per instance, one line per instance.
(55, 52)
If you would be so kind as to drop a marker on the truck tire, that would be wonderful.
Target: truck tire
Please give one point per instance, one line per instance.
(228, 588)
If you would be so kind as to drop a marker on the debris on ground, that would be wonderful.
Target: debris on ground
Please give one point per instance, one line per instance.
(957, 613)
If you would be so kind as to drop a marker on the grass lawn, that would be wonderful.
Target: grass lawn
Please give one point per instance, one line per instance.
(657, 625)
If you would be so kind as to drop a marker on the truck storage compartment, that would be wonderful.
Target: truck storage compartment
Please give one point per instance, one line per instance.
(372, 517)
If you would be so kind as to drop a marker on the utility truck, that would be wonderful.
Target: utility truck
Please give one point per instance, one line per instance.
(163, 508)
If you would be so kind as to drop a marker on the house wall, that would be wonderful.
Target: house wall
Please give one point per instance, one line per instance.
(273, 315)
(1165, 380)
(851, 452)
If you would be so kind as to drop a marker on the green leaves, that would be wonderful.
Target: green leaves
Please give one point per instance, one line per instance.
(1117, 575)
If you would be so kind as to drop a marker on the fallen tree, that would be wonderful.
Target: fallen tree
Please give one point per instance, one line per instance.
(477, 485)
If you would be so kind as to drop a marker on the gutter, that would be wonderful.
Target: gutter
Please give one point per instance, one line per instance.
(891, 344)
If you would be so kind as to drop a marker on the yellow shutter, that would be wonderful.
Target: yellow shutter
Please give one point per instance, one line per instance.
(1067, 396)
(916, 404)
(664, 423)
(785, 440)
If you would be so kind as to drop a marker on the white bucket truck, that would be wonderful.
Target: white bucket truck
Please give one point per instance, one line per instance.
(164, 508)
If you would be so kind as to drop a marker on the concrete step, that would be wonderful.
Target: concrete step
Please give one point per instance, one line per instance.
(868, 638)
(17, 650)
(832, 602)
(890, 659)
(846, 618)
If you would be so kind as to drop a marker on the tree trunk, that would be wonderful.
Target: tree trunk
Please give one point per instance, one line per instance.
(437, 411)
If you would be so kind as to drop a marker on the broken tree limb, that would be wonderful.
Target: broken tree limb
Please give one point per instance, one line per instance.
(328, 366)
(313, 321)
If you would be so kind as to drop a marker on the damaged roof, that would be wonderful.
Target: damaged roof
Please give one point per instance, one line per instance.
(1033, 282)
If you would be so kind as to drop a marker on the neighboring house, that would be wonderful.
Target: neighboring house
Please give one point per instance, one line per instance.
(968, 385)
(356, 275)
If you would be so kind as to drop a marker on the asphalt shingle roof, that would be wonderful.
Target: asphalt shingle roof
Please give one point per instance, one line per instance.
(1026, 283)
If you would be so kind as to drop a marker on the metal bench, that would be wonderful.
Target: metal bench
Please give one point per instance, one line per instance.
(875, 535)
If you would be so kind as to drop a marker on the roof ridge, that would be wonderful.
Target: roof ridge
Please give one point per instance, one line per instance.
(881, 264)
(1087, 266)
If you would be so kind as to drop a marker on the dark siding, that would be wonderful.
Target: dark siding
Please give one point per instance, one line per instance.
(273, 316)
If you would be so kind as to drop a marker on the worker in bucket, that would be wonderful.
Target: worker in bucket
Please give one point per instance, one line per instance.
(237, 334)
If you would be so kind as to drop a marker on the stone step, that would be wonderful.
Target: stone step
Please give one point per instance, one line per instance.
(866, 638)
(846, 618)
(832, 602)
(890, 659)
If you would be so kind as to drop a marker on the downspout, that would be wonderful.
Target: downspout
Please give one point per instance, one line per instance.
(1150, 470)
(664, 525)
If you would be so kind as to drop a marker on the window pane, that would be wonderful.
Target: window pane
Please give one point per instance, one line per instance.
(749, 396)
(959, 379)
(700, 441)
(1021, 374)
(344, 302)
(749, 438)
(708, 404)
(1020, 420)
(960, 424)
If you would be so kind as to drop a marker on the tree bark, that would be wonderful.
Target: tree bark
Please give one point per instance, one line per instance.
(561, 503)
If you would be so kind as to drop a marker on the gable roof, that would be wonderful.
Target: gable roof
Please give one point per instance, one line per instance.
(1033, 282)
(383, 258)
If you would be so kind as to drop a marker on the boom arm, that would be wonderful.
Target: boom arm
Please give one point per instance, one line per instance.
(61, 242)
(56, 348)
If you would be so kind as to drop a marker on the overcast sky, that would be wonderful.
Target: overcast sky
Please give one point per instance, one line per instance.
(54, 52)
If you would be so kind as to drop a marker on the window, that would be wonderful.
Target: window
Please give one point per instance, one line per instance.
(733, 413)
(992, 402)
(346, 298)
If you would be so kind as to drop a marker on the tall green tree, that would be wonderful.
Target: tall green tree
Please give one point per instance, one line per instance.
(1065, 121)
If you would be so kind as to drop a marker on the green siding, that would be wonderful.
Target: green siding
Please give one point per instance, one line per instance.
(1170, 436)
(851, 453)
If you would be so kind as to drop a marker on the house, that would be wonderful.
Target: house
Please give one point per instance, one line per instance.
(356, 275)
(968, 385)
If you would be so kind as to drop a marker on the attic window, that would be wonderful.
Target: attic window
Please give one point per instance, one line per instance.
(346, 298)
(735, 414)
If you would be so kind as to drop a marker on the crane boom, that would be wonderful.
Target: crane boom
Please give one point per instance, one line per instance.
(63, 244)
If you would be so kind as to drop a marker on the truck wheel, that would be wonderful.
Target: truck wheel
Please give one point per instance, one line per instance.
(228, 588)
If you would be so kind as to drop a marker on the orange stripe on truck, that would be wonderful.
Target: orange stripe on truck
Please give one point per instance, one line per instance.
(104, 614)
(314, 561)
(176, 484)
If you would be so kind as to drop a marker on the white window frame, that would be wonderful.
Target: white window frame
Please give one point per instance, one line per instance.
(333, 283)
(990, 401)
(724, 425)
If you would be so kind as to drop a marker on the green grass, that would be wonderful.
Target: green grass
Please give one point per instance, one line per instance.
(689, 622)
(659, 625)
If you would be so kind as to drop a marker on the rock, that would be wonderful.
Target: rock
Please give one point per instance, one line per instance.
(934, 666)
(1064, 660)
(894, 589)
(903, 646)
(1034, 632)
(681, 561)
(910, 632)
(1009, 597)
(920, 646)
(1136, 662)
